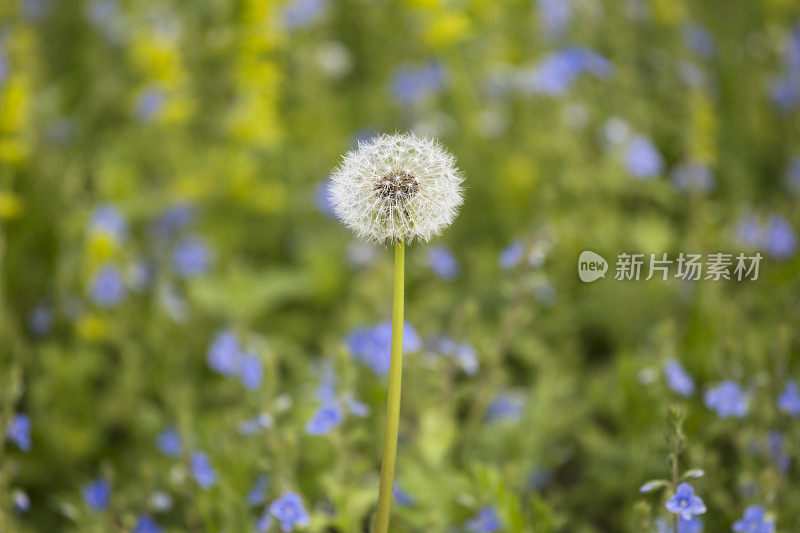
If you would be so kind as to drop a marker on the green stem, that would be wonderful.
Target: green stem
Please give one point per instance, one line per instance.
(393, 396)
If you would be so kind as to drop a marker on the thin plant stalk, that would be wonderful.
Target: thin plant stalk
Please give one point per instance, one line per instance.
(393, 396)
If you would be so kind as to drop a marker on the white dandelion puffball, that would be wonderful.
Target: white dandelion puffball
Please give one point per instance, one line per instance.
(397, 188)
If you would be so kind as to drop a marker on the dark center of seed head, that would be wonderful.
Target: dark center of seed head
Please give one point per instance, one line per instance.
(396, 187)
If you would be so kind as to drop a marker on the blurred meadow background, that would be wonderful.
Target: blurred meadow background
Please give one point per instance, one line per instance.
(190, 342)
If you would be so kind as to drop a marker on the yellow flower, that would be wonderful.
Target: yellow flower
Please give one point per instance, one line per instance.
(669, 12)
(447, 29)
(92, 327)
(11, 205)
(101, 247)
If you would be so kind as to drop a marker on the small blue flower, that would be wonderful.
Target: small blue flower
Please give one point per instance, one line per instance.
(554, 16)
(40, 320)
(258, 494)
(789, 399)
(251, 371)
(203, 473)
(749, 232)
(557, 72)
(685, 503)
(486, 521)
(264, 523)
(191, 257)
(326, 418)
(174, 219)
(373, 345)
(224, 354)
(693, 525)
(256, 424)
(302, 13)
(777, 451)
(678, 379)
(443, 263)
(699, 40)
(693, 176)
(512, 255)
(149, 104)
(108, 220)
(357, 408)
(168, 442)
(107, 287)
(22, 502)
(19, 431)
(505, 407)
(97, 494)
(727, 399)
(754, 521)
(413, 84)
(289, 511)
(642, 159)
(401, 497)
(145, 524)
(781, 241)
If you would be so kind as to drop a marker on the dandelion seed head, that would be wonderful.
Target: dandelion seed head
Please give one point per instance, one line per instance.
(400, 187)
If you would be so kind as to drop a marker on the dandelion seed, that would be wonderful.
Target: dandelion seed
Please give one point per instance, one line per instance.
(397, 188)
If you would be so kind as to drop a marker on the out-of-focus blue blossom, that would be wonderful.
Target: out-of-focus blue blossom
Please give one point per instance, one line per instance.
(256, 424)
(357, 408)
(412, 84)
(727, 399)
(322, 197)
(258, 494)
(264, 523)
(749, 232)
(107, 219)
(302, 13)
(373, 345)
(554, 16)
(699, 40)
(289, 511)
(22, 502)
(792, 51)
(191, 257)
(505, 407)
(326, 392)
(161, 501)
(40, 320)
(789, 399)
(168, 442)
(486, 521)
(224, 354)
(326, 418)
(781, 241)
(793, 176)
(174, 219)
(149, 104)
(685, 502)
(512, 255)
(693, 176)
(443, 263)
(19, 431)
(785, 92)
(107, 288)
(145, 524)
(251, 371)
(557, 72)
(754, 520)
(642, 159)
(203, 473)
(97, 494)
(462, 353)
(693, 525)
(401, 497)
(678, 379)
(777, 450)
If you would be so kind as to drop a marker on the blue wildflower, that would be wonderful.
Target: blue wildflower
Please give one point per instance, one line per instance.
(145, 524)
(505, 407)
(685, 502)
(678, 379)
(258, 494)
(168, 442)
(161, 501)
(19, 431)
(749, 232)
(443, 263)
(174, 219)
(699, 40)
(326, 418)
(373, 345)
(789, 399)
(191, 257)
(107, 287)
(414, 84)
(777, 450)
(793, 176)
(97, 494)
(512, 255)
(693, 176)
(357, 408)
(256, 424)
(40, 320)
(401, 497)
(251, 371)
(754, 521)
(202, 471)
(693, 525)
(554, 16)
(557, 72)
(224, 354)
(22, 502)
(264, 523)
(781, 241)
(785, 92)
(302, 13)
(486, 521)
(727, 399)
(107, 219)
(326, 392)
(642, 159)
(289, 511)
(149, 104)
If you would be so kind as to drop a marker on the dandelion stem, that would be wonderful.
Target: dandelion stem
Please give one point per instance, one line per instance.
(393, 396)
